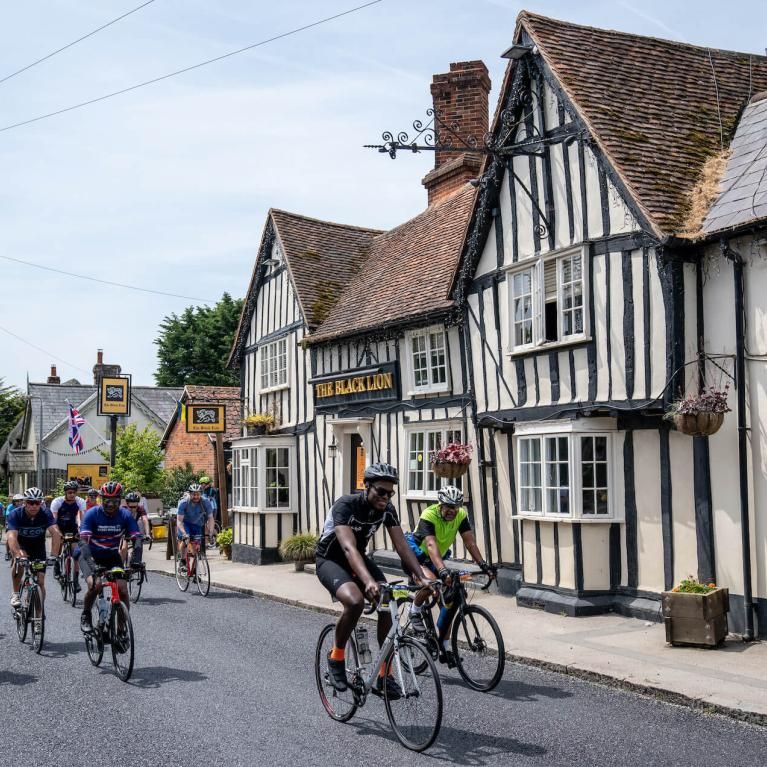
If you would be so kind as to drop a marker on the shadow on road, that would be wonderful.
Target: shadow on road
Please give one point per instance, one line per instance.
(151, 677)
(160, 601)
(62, 649)
(16, 680)
(509, 689)
(228, 595)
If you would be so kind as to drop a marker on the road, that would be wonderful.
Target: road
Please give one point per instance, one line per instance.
(228, 680)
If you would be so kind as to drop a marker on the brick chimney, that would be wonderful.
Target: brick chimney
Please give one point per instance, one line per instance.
(460, 96)
(100, 370)
(53, 378)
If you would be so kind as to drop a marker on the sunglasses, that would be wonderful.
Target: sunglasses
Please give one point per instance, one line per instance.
(33, 503)
(383, 492)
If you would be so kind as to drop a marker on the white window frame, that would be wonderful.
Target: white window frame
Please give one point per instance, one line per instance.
(243, 452)
(430, 387)
(269, 355)
(430, 481)
(573, 432)
(536, 266)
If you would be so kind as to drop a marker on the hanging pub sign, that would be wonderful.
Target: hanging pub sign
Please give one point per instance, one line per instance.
(88, 475)
(371, 384)
(205, 418)
(114, 395)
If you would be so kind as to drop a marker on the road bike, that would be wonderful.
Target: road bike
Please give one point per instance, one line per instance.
(30, 611)
(475, 639)
(113, 625)
(68, 576)
(416, 716)
(136, 574)
(194, 567)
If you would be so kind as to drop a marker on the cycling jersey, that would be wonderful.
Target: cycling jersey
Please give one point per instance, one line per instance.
(355, 512)
(138, 512)
(104, 532)
(30, 531)
(195, 513)
(65, 513)
(431, 523)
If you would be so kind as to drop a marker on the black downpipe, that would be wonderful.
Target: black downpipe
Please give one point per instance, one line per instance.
(740, 381)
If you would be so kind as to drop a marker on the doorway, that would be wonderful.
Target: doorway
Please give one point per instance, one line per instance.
(357, 460)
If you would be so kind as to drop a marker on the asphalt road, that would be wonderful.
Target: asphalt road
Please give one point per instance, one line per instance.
(229, 680)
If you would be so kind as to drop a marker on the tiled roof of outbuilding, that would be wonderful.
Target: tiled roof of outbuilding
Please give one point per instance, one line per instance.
(657, 108)
(407, 272)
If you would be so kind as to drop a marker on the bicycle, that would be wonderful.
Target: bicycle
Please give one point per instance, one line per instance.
(68, 576)
(479, 663)
(113, 625)
(194, 567)
(30, 611)
(421, 699)
(136, 574)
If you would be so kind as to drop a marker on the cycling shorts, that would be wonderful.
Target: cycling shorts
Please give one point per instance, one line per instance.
(423, 559)
(34, 548)
(193, 531)
(333, 575)
(103, 559)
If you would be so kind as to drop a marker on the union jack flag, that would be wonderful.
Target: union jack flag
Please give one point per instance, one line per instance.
(75, 422)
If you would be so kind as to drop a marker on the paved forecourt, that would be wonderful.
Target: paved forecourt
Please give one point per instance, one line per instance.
(229, 680)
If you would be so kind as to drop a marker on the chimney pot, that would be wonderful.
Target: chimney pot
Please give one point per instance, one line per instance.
(100, 357)
(53, 378)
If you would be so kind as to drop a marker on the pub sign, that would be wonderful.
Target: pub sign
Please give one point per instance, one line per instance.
(370, 384)
(205, 418)
(114, 395)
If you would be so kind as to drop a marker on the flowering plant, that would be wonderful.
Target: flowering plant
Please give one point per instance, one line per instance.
(691, 585)
(454, 452)
(710, 400)
(259, 419)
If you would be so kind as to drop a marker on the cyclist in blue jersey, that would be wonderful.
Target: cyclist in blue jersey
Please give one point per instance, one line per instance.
(101, 532)
(26, 537)
(194, 514)
(68, 510)
(17, 502)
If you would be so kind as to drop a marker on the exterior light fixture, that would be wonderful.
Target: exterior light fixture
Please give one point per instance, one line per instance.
(517, 51)
(333, 447)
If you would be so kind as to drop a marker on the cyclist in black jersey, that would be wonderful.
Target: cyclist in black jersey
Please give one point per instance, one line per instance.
(349, 574)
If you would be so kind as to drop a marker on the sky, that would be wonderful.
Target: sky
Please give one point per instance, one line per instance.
(167, 187)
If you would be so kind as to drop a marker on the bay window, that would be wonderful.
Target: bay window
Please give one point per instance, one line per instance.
(263, 476)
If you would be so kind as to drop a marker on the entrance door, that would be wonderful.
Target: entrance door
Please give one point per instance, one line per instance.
(357, 454)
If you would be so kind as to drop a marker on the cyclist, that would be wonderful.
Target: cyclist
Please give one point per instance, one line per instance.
(194, 513)
(101, 531)
(91, 498)
(17, 502)
(138, 512)
(349, 574)
(211, 493)
(437, 529)
(27, 526)
(67, 510)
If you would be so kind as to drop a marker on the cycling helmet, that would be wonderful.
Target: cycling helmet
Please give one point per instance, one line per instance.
(92, 492)
(204, 480)
(383, 471)
(195, 488)
(18, 497)
(111, 490)
(33, 494)
(450, 495)
(132, 497)
(73, 484)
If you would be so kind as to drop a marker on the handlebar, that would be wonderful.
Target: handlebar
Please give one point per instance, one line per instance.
(110, 573)
(387, 591)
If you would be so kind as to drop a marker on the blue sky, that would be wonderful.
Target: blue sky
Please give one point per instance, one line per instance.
(168, 187)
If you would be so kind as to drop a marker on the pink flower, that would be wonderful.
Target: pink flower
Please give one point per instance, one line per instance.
(454, 452)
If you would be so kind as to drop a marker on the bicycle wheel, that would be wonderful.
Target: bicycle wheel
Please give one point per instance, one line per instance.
(478, 648)
(429, 641)
(21, 615)
(417, 716)
(74, 580)
(37, 619)
(202, 573)
(63, 578)
(94, 641)
(135, 582)
(182, 577)
(339, 705)
(121, 639)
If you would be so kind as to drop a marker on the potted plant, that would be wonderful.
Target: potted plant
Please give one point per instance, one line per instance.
(258, 423)
(695, 613)
(224, 540)
(451, 461)
(700, 415)
(300, 549)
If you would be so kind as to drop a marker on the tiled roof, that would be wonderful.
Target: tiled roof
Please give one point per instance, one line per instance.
(160, 400)
(407, 273)
(657, 108)
(321, 257)
(743, 188)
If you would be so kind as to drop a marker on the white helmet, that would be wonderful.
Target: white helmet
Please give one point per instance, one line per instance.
(450, 495)
(33, 494)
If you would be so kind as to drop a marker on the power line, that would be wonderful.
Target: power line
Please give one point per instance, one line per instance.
(74, 42)
(44, 351)
(105, 282)
(190, 68)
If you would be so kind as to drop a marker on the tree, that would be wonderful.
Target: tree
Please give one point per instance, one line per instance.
(194, 348)
(138, 460)
(12, 403)
(177, 481)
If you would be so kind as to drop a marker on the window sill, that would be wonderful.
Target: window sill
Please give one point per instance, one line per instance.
(524, 351)
(569, 520)
(424, 392)
(273, 389)
(259, 510)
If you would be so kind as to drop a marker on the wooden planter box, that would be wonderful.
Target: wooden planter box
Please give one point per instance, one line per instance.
(448, 470)
(696, 619)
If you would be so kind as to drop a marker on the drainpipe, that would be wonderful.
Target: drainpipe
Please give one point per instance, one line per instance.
(740, 380)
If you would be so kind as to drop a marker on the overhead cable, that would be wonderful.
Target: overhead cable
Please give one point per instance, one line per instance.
(44, 351)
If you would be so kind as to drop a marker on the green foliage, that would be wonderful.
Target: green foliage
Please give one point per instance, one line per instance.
(12, 403)
(299, 547)
(138, 460)
(225, 537)
(175, 483)
(691, 585)
(58, 489)
(194, 348)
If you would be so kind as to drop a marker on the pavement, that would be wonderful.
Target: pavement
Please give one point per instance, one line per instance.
(608, 649)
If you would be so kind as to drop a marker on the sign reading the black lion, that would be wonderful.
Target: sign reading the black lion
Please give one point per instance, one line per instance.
(206, 418)
(114, 395)
(362, 385)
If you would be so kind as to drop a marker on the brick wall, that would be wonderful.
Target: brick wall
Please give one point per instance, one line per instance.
(196, 449)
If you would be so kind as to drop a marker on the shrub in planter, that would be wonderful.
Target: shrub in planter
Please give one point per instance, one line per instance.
(695, 613)
(451, 461)
(259, 423)
(299, 548)
(224, 540)
(700, 415)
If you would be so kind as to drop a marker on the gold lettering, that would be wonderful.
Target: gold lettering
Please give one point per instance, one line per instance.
(388, 383)
(339, 387)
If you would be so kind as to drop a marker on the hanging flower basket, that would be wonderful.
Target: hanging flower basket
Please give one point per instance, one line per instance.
(448, 470)
(451, 461)
(700, 425)
(700, 415)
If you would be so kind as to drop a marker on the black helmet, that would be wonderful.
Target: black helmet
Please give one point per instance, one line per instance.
(383, 471)
(33, 494)
(92, 492)
(132, 497)
(112, 490)
(73, 484)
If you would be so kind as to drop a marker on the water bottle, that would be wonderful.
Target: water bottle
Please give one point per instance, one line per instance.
(103, 608)
(363, 647)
